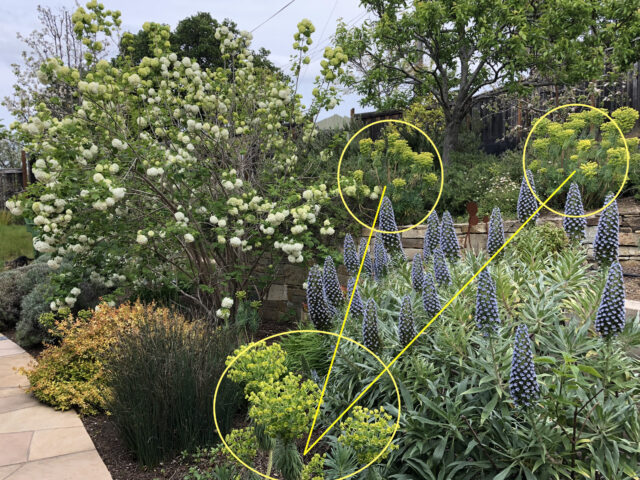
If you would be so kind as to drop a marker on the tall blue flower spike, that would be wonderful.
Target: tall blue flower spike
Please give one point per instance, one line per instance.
(387, 221)
(381, 260)
(607, 242)
(370, 336)
(350, 255)
(527, 203)
(430, 297)
(331, 283)
(440, 268)
(367, 268)
(433, 234)
(406, 325)
(610, 319)
(448, 238)
(495, 238)
(487, 315)
(575, 228)
(523, 382)
(417, 273)
(319, 311)
(357, 307)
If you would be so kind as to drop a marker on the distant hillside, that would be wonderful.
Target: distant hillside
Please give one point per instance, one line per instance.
(334, 121)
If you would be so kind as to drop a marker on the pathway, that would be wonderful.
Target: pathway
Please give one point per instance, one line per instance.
(36, 441)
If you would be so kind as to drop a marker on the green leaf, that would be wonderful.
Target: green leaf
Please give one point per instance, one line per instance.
(439, 451)
(488, 408)
(503, 474)
(590, 370)
(544, 360)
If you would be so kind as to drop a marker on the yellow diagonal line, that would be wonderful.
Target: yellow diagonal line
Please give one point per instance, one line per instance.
(344, 321)
(435, 316)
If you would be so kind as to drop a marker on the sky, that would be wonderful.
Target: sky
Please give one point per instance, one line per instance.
(275, 35)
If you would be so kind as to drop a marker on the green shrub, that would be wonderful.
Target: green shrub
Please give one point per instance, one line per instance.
(71, 374)
(539, 243)
(29, 332)
(162, 379)
(14, 285)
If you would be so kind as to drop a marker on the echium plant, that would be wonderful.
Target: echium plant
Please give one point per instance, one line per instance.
(495, 236)
(319, 311)
(370, 335)
(432, 235)
(575, 228)
(606, 242)
(487, 316)
(350, 255)
(157, 179)
(610, 319)
(440, 268)
(381, 259)
(430, 298)
(331, 283)
(527, 203)
(406, 325)
(387, 222)
(357, 306)
(417, 273)
(367, 267)
(448, 238)
(523, 382)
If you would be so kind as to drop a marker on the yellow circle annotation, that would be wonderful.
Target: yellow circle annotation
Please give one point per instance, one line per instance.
(264, 340)
(441, 176)
(626, 147)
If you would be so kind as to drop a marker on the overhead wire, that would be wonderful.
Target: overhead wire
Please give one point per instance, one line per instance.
(272, 16)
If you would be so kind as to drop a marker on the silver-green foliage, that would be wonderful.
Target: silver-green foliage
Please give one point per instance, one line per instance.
(458, 417)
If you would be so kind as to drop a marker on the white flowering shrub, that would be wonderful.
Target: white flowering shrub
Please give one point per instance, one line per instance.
(168, 176)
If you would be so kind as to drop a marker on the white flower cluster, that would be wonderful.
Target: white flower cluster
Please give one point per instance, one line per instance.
(14, 207)
(327, 229)
(225, 308)
(292, 249)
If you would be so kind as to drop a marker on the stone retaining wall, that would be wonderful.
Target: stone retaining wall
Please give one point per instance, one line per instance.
(286, 295)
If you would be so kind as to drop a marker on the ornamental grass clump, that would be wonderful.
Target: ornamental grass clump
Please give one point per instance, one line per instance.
(575, 228)
(370, 336)
(331, 283)
(440, 268)
(319, 311)
(430, 297)
(351, 261)
(523, 382)
(367, 267)
(606, 242)
(357, 306)
(527, 203)
(448, 238)
(387, 222)
(417, 273)
(610, 319)
(487, 316)
(406, 325)
(495, 237)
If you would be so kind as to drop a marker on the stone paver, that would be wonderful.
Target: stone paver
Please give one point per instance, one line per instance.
(36, 441)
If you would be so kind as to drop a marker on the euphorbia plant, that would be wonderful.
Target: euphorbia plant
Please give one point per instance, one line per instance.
(168, 176)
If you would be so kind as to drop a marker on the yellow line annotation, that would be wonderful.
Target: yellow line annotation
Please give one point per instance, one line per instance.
(344, 322)
(542, 205)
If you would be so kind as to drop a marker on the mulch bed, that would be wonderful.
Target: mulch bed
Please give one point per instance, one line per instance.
(118, 458)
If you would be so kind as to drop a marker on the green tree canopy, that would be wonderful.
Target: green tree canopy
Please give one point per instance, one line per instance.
(461, 51)
(193, 37)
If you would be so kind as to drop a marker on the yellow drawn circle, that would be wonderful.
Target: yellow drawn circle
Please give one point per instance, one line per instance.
(624, 140)
(249, 347)
(441, 176)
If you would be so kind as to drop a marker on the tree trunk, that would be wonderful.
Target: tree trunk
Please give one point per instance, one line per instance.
(450, 140)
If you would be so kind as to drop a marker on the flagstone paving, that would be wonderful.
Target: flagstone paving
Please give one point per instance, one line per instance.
(36, 441)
